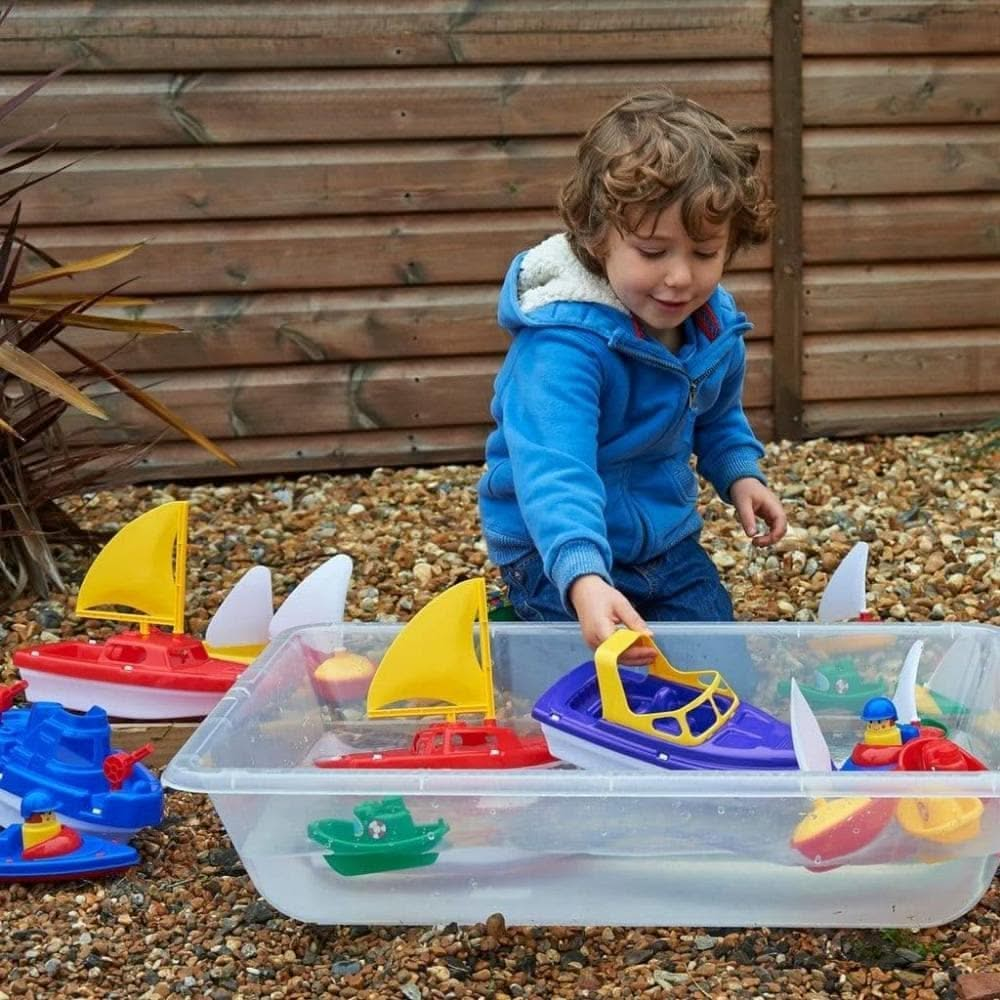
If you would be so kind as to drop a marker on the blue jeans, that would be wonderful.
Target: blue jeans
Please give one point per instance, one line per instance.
(681, 585)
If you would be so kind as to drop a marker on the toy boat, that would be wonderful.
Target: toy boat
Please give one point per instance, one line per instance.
(844, 600)
(839, 830)
(836, 684)
(433, 662)
(382, 837)
(96, 789)
(150, 673)
(143, 674)
(43, 849)
(599, 714)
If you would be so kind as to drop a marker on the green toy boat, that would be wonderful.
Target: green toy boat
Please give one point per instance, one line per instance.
(381, 838)
(836, 684)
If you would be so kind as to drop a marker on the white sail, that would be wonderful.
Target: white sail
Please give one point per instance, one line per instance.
(245, 613)
(811, 750)
(905, 698)
(844, 596)
(318, 600)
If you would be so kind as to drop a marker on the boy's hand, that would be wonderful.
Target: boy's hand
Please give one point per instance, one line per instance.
(601, 609)
(752, 500)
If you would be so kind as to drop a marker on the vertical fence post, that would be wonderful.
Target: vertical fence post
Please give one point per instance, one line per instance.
(786, 332)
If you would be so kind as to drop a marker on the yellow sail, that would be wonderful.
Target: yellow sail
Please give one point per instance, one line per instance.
(433, 660)
(142, 567)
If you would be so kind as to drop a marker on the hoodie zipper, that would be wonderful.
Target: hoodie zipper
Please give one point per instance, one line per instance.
(696, 382)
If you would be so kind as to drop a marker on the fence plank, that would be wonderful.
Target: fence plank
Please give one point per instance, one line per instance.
(319, 398)
(903, 228)
(363, 325)
(198, 183)
(354, 105)
(901, 90)
(881, 364)
(263, 456)
(934, 295)
(832, 27)
(293, 34)
(904, 160)
(338, 253)
(923, 414)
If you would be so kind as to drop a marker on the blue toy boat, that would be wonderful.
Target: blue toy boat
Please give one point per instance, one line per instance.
(95, 789)
(599, 715)
(42, 849)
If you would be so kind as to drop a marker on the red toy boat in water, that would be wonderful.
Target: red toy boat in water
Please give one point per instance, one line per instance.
(432, 668)
(454, 744)
(869, 830)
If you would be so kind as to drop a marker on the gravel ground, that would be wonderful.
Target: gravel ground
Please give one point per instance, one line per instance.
(188, 922)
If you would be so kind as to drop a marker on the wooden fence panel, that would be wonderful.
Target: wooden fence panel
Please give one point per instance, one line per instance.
(933, 295)
(159, 34)
(336, 253)
(331, 193)
(294, 328)
(319, 398)
(922, 414)
(834, 27)
(168, 460)
(903, 160)
(910, 364)
(222, 183)
(946, 90)
(850, 230)
(354, 105)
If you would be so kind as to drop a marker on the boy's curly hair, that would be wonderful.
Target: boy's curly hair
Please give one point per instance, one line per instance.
(651, 150)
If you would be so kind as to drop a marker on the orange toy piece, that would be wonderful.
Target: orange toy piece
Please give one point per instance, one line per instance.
(344, 676)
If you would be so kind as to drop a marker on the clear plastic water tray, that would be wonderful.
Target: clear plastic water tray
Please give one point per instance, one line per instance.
(609, 845)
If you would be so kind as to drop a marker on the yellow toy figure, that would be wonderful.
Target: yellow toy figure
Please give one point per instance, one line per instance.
(881, 726)
(42, 834)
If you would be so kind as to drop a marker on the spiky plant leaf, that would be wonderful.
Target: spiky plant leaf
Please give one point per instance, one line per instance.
(24, 366)
(149, 403)
(90, 321)
(77, 267)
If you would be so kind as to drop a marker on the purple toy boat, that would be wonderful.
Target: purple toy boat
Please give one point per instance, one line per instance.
(601, 716)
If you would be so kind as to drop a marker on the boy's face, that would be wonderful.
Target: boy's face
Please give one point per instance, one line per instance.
(659, 272)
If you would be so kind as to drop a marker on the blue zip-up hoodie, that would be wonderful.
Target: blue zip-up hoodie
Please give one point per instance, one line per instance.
(589, 462)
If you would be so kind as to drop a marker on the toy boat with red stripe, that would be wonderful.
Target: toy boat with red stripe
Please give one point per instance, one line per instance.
(432, 668)
(157, 671)
(147, 673)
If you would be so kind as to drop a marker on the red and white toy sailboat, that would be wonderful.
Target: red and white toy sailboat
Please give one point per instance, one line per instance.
(432, 668)
(158, 671)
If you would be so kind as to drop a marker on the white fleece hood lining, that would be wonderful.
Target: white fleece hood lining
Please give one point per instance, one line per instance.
(551, 272)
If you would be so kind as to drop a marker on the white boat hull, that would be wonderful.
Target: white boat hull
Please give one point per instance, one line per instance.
(122, 701)
(591, 756)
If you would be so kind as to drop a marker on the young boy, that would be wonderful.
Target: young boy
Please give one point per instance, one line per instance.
(627, 358)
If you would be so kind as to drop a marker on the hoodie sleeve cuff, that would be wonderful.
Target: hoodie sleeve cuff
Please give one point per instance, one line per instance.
(574, 560)
(738, 465)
